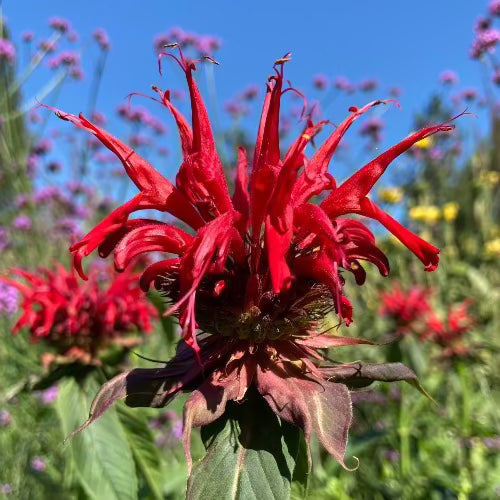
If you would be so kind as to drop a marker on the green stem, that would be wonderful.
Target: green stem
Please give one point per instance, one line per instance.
(404, 432)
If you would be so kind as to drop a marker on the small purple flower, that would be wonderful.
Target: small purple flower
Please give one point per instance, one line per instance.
(236, 109)
(436, 154)
(6, 489)
(368, 85)
(495, 7)
(320, 82)
(102, 38)
(42, 147)
(483, 23)
(99, 118)
(9, 299)
(38, 464)
(373, 128)
(45, 194)
(448, 77)
(177, 428)
(496, 77)
(22, 223)
(34, 117)
(470, 94)
(33, 164)
(492, 443)
(48, 396)
(28, 36)
(59, 24)
(395, 92)
(7, 51)
(5, 418)
(342, 83)
(47, 46)
(77, 74)
(250, 93)
(391, 455)
(485, 42)
(21, 200)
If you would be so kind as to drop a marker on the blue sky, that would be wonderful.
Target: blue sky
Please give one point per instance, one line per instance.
(400, 43)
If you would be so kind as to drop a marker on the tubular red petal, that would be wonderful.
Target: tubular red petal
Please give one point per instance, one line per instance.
(314, 179)
(157, 271)
(347, 197)
(427, 253)
(241, 197)
(161, 193)
(185, 131)
(150, 238)
(201, 175)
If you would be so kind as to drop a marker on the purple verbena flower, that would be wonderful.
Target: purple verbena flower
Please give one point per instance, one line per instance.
(485, 42)
(102, 38)
(7, 51)
(320, 82)
(27, 36)
(6, 489)
(5, 418)
(368, 85)
(9, 300)
(59, 24)
(22, 223)
(495, 7)
(48, 396)
(448, 77)
(38, 464)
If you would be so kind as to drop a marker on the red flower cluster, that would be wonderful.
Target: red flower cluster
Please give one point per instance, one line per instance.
(258, 272)
(405, 308)
(448, 333)
(80, 318)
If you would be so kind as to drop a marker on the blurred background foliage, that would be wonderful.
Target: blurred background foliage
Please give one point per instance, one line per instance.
(444, 325)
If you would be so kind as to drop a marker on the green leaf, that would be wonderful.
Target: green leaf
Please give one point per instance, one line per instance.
(144, 449)
(103, 460)
(251, 455)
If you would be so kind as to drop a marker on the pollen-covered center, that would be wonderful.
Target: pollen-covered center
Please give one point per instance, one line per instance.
(220, 308)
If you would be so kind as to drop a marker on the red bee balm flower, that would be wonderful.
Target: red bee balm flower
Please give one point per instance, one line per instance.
(259, 272)
(79, 318)
(447, 334)
(406, 308)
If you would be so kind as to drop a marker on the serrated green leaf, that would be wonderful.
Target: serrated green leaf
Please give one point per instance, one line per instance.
(250, 456)
(144, 449)
(103, 460)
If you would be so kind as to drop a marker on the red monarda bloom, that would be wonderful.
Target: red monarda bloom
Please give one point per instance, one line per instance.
(80, 318)
(448, 333)
(405, 308)
(259, 270)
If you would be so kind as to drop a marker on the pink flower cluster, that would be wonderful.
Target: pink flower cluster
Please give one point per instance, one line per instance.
(143, 117)
(485, 42)
(7, 51)
(203, 45)
(102, 38)
(66, 58)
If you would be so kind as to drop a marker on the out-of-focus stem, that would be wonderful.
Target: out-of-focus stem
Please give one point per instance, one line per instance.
(404, 432)
(35, 62)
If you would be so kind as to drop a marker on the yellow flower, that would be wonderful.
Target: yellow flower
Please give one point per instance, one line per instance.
(492, 248)
(391, 195)
(425, 143)
(450, 211)
(428, 214)
(490, 177)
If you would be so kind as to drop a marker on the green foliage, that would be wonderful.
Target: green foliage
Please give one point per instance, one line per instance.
(250, 455)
